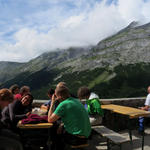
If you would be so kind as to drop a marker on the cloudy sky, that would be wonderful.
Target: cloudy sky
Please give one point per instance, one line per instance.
(30, 27)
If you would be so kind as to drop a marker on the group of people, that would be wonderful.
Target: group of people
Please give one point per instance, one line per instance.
(15, 104)
(71, 116)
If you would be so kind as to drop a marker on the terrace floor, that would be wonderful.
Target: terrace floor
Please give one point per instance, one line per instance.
(99, 143)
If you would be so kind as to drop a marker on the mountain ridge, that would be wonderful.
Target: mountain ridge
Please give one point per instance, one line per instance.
(97, 65)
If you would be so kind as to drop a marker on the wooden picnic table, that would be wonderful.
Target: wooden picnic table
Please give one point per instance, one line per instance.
(125, 110)
(130, 112)
(35, 134)
(34, 126)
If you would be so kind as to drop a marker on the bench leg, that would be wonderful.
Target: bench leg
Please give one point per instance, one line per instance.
(120, 146)
(108, 144)
(130, 130)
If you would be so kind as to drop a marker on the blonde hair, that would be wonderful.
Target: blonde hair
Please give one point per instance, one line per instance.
(61, 84)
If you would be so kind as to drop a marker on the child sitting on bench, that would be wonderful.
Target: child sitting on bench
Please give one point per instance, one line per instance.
(92, 105)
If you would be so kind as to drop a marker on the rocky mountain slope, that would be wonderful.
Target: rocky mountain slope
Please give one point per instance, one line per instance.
(129, 46)
(109, 68)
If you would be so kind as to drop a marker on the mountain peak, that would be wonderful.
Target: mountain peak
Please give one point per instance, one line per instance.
(133, 24)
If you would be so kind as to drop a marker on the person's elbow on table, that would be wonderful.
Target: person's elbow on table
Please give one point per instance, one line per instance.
(53, 118)
(146, 108)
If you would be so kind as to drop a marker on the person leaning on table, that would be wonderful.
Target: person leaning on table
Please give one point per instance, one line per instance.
(17, 110)
(77, 128)
(8, 139)
(147, 108)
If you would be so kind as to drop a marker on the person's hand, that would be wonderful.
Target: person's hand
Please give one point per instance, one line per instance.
(144, 108)
(27, 114)
(54, 98)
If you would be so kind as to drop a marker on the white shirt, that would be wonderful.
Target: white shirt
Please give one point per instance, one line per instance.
(93, 95)
(147, 102)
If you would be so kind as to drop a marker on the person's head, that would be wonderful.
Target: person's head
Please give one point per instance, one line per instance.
(24, 90)
(148, 89)
(61, 84)
(14, 89)
(50, 93)
(6, 97)
(27, 99)
(62, 93)
(83, 93)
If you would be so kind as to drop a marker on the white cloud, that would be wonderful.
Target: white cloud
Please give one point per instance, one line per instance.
(130, 9)
(77, 26)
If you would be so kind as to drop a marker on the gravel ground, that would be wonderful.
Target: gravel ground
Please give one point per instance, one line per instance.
(99, 143)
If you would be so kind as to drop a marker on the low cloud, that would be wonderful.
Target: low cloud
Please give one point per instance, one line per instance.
(81, 27)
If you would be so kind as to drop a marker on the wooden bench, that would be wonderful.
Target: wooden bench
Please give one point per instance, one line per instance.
(112, 137)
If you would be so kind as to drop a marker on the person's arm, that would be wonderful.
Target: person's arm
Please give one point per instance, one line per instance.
(145, 108)
(44, 107)
(12, 108)
(19, 117)
(13, 116)
(51, 116)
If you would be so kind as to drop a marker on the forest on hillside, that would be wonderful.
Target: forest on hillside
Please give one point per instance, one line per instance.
(123, 81)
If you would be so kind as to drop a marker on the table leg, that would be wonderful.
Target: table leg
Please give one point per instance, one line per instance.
(130, 131)
(49, 143)
(143, 134)
(143, 141)
(129, 125)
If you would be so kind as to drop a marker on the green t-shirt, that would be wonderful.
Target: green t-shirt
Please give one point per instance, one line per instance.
(74, 116)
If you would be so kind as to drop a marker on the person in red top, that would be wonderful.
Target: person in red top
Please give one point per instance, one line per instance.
(23, 91)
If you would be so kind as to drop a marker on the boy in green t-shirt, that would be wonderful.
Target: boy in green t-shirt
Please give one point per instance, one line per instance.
(76, 122)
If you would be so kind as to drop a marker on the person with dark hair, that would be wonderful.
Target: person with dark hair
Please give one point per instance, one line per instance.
(14, 89)
(23, 91)
(75, 128)
(64, 84)
(16, 111)
(8, 139)
(92, 104)
(47, 104)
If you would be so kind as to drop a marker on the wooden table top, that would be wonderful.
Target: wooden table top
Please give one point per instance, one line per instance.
(34, 126)
(124, 110)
